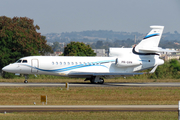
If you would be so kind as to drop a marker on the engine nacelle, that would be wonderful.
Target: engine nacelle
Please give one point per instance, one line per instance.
(126, 63)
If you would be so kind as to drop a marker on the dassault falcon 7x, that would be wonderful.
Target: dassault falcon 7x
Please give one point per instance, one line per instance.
(120, 62)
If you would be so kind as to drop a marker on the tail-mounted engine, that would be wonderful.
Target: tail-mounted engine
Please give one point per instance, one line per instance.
(126, 63)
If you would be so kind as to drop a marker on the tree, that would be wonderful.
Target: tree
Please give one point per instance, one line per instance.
(46, 49)
(78, 49)
(175, 64)
(99, 44)
(19, 38)
(57, 46)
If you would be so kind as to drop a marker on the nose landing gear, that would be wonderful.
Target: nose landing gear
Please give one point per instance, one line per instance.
(25, 81)
(26, 78)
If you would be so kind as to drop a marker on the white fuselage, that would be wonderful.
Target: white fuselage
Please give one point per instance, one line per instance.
(128, 62)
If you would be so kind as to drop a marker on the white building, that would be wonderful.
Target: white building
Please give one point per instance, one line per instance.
(100, 52)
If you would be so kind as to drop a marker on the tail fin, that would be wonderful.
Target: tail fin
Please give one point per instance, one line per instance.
(151, 41)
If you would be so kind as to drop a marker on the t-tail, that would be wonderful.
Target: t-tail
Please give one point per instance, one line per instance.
(151, 41)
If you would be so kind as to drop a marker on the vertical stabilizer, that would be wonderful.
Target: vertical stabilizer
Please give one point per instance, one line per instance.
(151, 40)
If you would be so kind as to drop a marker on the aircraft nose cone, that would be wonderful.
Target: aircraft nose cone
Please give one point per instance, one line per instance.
(5, 69)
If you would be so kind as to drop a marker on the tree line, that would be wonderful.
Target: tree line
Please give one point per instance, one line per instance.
(95, 35)
(116, 43)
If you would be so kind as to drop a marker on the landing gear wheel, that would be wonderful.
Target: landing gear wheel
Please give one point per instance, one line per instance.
(26, 78)
(101, 81)
(97, 80)
(25, 81)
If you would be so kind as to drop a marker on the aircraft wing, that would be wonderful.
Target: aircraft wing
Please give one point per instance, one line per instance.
(105, 74)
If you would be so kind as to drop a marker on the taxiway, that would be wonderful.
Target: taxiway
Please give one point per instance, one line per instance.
(155, 84)
(54, 108)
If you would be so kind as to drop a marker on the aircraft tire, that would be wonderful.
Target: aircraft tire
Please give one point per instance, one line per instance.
(102, 81)
(25, 81)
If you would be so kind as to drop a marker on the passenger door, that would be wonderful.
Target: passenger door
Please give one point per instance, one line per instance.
(35, 65)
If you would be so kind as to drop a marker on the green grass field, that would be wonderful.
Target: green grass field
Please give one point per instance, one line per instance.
(90, 96)
(91, 116)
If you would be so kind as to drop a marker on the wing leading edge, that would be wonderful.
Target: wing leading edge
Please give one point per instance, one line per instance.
(90, 74)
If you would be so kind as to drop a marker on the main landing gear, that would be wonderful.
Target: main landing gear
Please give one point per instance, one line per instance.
(26, 78)
(95, 80)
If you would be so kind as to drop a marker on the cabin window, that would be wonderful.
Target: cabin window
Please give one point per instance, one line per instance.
(60, 63)
(64, 63)
(80, 63)
(76, 63)
(56, 63)
(52, 63)
(68, 63)
(19, 61)
(24, 61)
(72, 63)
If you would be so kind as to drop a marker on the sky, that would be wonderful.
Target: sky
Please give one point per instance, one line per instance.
(57, 16)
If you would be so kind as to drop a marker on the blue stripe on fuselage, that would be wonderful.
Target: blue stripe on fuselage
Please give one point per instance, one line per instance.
(72, 67)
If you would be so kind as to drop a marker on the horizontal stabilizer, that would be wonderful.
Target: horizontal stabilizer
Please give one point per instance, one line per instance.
(156, 49)
(167, 50)
(150, 49)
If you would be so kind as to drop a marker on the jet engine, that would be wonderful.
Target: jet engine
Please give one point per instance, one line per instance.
(126, 63)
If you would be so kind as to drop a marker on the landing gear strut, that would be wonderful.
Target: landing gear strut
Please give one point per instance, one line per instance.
(26, 78)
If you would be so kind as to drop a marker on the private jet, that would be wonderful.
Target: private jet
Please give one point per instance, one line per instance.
(121, 62)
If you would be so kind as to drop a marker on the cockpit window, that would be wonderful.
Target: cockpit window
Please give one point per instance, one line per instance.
(19, 61)
(24, 61)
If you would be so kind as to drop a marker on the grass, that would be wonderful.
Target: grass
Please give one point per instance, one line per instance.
(91, 116)
(90, 95)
